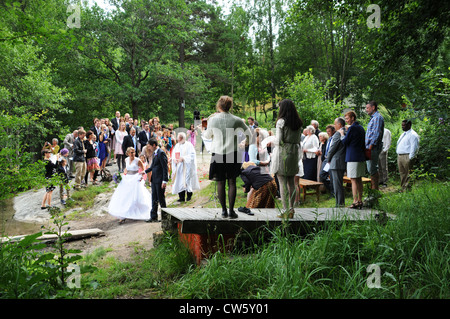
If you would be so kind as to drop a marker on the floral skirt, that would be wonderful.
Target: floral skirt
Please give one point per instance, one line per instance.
(264, 197)
(92, 164)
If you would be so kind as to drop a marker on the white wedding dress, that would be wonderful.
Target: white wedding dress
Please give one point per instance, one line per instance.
(131, 199)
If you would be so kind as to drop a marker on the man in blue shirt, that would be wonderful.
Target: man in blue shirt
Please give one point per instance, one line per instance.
(374, 141)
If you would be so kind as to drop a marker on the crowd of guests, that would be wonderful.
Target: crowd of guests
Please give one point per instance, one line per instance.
(86, 153)
(274, 162)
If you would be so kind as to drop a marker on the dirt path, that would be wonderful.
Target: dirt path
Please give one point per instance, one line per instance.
(121, 239)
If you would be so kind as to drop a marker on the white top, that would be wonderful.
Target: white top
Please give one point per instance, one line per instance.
(386, 140)
(311, 145)
(133, 166)
(226, 131)
(408, 143)
(120, 135)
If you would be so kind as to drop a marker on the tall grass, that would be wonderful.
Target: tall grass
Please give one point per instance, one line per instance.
(412, 252)
(144, 276)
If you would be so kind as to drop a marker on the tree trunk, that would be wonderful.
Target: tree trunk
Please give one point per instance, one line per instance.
(232, 74)
(272, 62)
(134, 108)
(181, 98)
(254, 93)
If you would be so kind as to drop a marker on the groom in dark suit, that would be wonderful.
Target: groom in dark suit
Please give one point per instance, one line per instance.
(159, 178)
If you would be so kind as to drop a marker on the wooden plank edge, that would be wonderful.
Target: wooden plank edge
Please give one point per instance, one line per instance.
(72, 235)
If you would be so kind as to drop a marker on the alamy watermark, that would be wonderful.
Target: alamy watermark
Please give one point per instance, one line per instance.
(374, 279)
(74, 280)
(74, 20)
(374, 20)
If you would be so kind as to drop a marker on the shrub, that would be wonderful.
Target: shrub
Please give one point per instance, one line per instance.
(311, 100)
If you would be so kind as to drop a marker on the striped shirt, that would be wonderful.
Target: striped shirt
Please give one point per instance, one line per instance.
(375, 130)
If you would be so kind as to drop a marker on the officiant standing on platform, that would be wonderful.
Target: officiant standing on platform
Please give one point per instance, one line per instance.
(226, 160)
(184, 169)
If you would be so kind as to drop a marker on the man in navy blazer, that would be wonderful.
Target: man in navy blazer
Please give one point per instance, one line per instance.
(130, 140)
(144, 136)
(336, 158)
(159, 178)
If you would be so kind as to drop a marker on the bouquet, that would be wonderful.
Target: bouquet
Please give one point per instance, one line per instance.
(117, 178)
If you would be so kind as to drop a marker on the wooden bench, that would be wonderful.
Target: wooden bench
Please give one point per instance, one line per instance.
(348, 182)
(306, 184)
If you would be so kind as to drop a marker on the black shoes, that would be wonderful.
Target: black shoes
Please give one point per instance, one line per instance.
(232, 214)
(245, 210)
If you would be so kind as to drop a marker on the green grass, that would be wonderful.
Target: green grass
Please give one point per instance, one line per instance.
(412, 252)
(144, 276)
(84, 198)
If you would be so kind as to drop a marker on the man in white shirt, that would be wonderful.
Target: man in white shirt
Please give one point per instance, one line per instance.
(251, 122)
(407, 147)
(383, 159)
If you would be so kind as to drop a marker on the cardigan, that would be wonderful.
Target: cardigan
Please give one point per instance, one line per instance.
(354, 142)
(226, 131)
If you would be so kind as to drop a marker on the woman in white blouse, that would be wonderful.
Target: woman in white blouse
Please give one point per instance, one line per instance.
(120, 134)
(310, 146)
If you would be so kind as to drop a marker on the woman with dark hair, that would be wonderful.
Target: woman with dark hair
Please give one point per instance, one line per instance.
(354, 142)
(286, 153)
(224, 129)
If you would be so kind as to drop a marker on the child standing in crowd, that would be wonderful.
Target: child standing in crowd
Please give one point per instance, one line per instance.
(62, 170)
(50, 170)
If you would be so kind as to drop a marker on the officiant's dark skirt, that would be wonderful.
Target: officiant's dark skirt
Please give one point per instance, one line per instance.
(225, 167)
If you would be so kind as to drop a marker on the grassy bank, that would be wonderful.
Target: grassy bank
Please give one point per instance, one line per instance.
(411, 252)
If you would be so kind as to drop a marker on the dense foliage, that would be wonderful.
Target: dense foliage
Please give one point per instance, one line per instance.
(168, 58)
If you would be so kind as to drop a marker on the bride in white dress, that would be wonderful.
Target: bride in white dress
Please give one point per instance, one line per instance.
(131, 199)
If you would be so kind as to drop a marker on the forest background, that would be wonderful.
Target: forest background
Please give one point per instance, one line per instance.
(63, 63)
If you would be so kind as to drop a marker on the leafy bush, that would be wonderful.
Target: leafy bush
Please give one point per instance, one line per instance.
(28, 270)
(311, 100)
(20, 171)
(434, 148)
